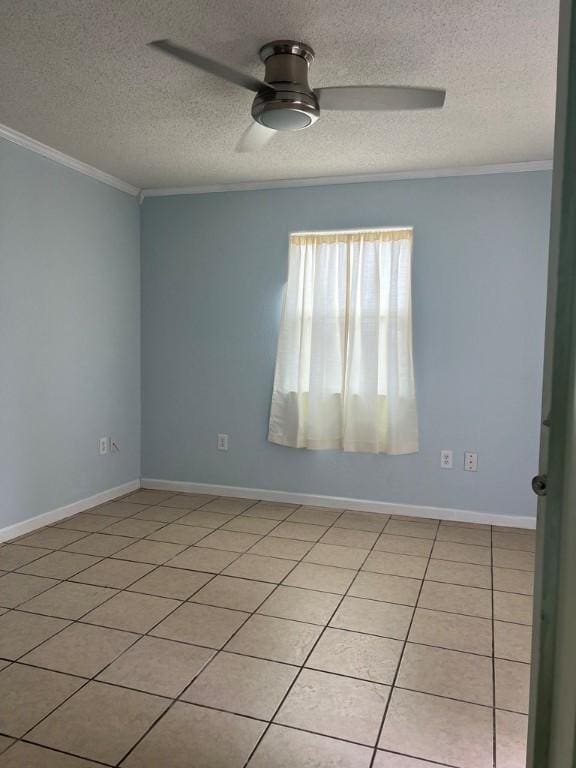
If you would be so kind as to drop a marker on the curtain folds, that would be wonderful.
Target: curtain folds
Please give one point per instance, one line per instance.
(344, 375)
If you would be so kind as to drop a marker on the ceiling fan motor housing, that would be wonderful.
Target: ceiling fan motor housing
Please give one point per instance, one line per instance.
(291, 105)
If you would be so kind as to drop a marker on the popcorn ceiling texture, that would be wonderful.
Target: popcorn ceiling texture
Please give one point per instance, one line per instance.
(79, 77)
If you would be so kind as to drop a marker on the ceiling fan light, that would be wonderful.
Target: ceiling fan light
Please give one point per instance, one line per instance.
(285, 119)
(285, 110)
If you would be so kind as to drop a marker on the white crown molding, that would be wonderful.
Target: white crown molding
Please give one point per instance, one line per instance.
(70, 162)
(341, 502)
(88, 170)
(321, 181)
(54, 515)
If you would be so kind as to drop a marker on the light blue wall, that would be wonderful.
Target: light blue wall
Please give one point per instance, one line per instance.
(69, 335)
(213, 268)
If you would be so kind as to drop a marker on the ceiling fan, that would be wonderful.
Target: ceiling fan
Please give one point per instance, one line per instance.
(285, 101)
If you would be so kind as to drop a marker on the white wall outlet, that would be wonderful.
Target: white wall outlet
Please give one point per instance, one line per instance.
(446, 459)
(471, 461)
(103, 446)
(222, 442)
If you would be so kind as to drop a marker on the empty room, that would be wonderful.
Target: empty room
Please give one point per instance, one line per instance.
(286, 355)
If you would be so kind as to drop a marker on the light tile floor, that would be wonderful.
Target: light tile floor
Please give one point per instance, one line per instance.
(186, 630)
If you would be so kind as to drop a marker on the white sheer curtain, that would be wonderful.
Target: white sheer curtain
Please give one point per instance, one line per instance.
(344, 372)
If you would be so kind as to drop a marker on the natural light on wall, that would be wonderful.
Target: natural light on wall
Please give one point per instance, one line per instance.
(344, 372)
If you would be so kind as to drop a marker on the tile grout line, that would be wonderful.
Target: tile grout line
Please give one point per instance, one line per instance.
(125, 589)
(135, 539)
(69, 580)
(189, 599)
(217, 651)
(178, 699)
(247, 717)
(21, 606)
(92, 678)
(55, 750)
(104, 531)
(401, 656)
(312, 649)
(270, 615)
(72, 578)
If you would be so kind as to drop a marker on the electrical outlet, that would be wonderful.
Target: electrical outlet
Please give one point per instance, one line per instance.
(471, 461)
(446, 459)
(103, 445)
(222, 442)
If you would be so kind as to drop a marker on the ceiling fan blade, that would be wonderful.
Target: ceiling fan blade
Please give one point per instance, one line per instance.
(379, 97)
(209, 65)
(255, 137)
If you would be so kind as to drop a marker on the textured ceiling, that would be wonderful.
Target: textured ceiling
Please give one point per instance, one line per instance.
(77, 75)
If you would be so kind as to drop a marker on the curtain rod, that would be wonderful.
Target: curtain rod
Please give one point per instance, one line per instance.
(349, 231)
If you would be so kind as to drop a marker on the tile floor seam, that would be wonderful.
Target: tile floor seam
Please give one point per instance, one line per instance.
(330, 544)
(93, 679)
(452, 650)
(61, 752)
(28, 599)
(79, 620)
(401, 656)
(512, 711)
(156, 566)
(280, 725)
(280, 618)
(213, 576)
(125, 589)
(443, 696)
(160, 565)
(167, 697)
(268, 615)
(101, 530)
(412, 554)
(47, 715)
(254, 612)
(419, 538)
(303, 665)
(13, 542)
(86, 680)
(31, 613)
(204, 504)
(218, 650)
(21, 609)
(164, 524)
(446, 648)
(178, 699)
(428, 760)
(98, 560)
(21, 543)
(486, 589)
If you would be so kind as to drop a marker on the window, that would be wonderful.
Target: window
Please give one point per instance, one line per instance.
(344, 372)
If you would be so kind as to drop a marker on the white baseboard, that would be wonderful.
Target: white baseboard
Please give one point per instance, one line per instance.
(47, 518)
(313, 500)
(341, 502)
